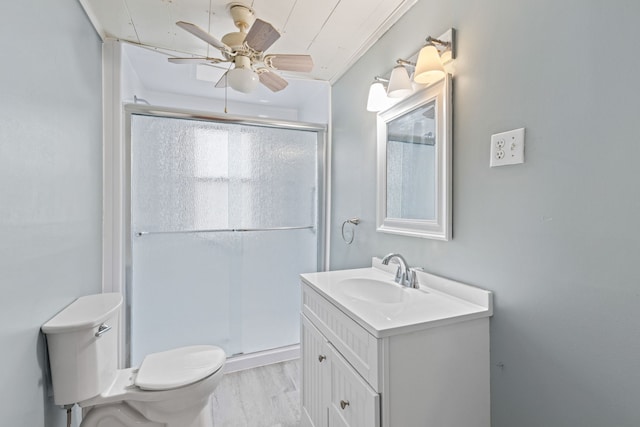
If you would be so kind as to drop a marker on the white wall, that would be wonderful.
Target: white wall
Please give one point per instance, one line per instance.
(50, 189)
(556, 238)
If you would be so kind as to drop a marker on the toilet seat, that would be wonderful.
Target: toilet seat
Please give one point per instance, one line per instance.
(179, 367)
(125, 386)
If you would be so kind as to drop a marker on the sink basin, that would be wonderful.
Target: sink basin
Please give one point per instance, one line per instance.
(372, 290)
(384, 308)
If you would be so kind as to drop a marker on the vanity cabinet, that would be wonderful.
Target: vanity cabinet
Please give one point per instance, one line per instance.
(416, 376)
(334, 394)
(315, 371)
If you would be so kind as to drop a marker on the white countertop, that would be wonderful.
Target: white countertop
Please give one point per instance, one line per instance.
(438, 301)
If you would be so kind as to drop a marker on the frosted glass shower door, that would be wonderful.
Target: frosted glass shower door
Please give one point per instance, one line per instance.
(223, 220)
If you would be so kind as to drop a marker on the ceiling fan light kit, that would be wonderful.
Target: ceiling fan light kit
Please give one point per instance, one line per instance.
(242, 78)
(245, 49)
(428, 69)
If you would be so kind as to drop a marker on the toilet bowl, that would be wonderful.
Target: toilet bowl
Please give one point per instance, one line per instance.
(170, 388)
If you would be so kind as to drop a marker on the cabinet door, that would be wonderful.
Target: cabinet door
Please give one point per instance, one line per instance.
(353, 403)
(315, 376)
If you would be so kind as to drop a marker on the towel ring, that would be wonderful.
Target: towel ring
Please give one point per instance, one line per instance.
(352, 221)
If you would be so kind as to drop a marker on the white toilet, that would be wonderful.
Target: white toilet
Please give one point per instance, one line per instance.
(170, 389)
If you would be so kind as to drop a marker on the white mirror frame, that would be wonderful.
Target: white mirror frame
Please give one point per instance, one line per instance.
(440, 227)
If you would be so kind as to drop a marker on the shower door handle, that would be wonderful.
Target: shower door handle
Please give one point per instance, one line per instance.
(322, 358)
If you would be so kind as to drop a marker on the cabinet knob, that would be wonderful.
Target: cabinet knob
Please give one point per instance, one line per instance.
(344, 403)
(321, 358)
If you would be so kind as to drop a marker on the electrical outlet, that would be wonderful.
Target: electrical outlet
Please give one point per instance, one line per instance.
(507, 148)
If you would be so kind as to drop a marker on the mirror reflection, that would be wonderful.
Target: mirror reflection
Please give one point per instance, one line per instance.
(411, 157)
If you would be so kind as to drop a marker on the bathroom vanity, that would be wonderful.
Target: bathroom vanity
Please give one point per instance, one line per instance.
(376, 354)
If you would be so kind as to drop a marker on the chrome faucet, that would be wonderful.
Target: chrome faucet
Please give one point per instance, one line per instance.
(404, 275)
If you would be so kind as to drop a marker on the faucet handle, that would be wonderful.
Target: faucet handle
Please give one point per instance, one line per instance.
(413, 277)
(399, 275)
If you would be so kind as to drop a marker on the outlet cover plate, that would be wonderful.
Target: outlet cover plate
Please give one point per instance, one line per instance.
(507, 148)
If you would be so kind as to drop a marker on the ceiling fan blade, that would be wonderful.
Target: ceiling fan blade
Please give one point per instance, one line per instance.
(302, 63)
(203, 35)
(261, 35)
(271, 80)
(223, 81)
(195, 60)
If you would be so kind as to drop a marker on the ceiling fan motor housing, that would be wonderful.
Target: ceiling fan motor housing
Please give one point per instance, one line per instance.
(234, 40)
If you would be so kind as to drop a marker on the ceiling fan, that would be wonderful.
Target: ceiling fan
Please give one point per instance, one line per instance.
(246, 50)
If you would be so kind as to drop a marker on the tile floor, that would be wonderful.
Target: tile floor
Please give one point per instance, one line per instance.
(268, 396)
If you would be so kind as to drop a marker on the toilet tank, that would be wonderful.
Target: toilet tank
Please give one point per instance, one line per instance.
(82, 341)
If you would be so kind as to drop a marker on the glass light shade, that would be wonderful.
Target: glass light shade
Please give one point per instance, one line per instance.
(378, 99)
(242, 79)
(399, 83)
(429, 67)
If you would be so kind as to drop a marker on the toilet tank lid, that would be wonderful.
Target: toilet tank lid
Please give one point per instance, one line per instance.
(179, 367)
(84, 313)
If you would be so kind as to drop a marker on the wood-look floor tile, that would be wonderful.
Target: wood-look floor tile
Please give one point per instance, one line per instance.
(268, 396)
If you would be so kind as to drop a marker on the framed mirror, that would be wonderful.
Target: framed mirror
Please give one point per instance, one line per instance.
(414, 164)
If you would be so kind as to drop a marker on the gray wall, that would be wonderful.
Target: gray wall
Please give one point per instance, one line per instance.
(557, 238)
(50, 188)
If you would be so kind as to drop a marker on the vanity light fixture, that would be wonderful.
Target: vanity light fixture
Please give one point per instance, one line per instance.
(429, 68)
(399, 82)
(378, 99)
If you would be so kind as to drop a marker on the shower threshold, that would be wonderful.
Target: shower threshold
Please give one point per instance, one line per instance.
(241, 362)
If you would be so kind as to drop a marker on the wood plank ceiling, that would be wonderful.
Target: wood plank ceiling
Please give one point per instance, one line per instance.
(334, 32)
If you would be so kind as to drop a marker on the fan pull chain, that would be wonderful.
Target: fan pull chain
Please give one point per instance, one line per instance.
(209, 26)
(226, 89)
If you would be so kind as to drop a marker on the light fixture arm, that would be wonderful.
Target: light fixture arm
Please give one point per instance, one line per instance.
(442, 45)
(435, 41)
(401, 61)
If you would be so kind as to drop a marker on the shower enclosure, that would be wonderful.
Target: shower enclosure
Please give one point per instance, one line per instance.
(225, 214)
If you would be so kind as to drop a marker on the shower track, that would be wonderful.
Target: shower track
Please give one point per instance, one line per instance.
(225, 230)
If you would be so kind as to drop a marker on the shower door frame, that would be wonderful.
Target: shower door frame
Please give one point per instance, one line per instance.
(173, 113)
